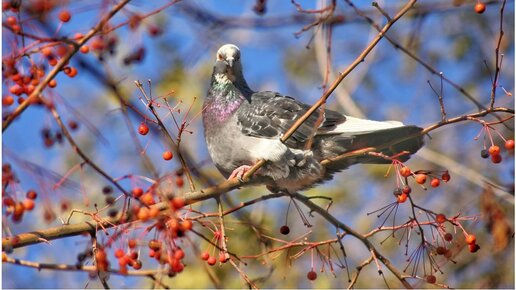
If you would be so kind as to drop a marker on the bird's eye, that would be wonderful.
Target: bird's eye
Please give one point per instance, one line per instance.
(219, 56)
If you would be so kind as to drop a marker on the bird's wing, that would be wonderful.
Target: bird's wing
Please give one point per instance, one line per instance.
(270, 115)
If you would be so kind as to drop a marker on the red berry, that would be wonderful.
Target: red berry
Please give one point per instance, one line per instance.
(284, 230)
(440, 218)
(205, 256)
(421, 178)
(179, 181)
(509, 144)
(143, 129)
(65, 16)
(154, 245)
(406, 189)
(179, 254)
(480, 7)
(73, 125)
(167, 155)
(311, 275)
(440, 250)
(223, 258)
(137, 192)
(405, 171)
(178, 202)
(212, 261)
(471, 239)
(473, 248)
(496, 158)
(448, 237)
(137, 265)
(494, 150)
(402, 198)
(431, 279)
(446, 176)
(435, 182)
(11, 20)
(7, 100)
(119, 253)
(132, 243)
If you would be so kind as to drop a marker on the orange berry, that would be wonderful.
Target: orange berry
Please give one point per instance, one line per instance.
(143, 129)
(147, 199)
(119, 253)
(494, 150)
(180, 181)
(47, 51)
(98, 43)
(435, 182)
(11, 20)
(187, 225)
(52, 61)
(205, 256)
(132, 243)
(137, 192)
(405, 171)
(421, 178)
(65, 16)
(178, 202)
(509, 144)
(70, 71)
(480, 7)
(167, 155)
(471, 239)
(402, 198)
(84, 49)
(153, 212)
(28, 204)
(143, 214)
(7, 100)
(52, 83)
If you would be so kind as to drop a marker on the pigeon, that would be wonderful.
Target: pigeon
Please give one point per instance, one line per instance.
(242, 126)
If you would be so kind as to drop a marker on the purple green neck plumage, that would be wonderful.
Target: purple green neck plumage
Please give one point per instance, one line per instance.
(226, 97)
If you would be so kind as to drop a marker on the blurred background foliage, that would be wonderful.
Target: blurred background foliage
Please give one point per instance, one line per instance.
(448, 35)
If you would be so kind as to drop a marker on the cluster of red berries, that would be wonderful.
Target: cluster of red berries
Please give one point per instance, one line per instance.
(17, 208)
(211, 260)
(495, 153)
(128, 259)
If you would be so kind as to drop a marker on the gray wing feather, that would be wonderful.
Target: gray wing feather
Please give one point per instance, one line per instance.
(269, 115)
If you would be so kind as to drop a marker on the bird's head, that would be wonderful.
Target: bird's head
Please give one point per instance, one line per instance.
(228, 68)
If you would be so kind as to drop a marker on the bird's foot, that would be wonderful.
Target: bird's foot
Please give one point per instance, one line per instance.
(240, 172)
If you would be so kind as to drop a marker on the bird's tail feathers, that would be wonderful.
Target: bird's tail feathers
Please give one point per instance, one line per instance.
(389, 142)
(356, 126)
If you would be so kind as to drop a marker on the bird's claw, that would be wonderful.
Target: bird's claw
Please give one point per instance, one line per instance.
(240, 172)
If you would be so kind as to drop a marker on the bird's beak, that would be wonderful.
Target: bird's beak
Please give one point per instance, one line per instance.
(230, 62)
